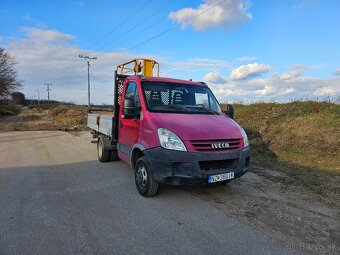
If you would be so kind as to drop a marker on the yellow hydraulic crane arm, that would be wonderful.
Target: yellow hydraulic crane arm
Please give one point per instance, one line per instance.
(139, 66)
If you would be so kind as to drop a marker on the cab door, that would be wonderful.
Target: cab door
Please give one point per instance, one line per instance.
(129, 127)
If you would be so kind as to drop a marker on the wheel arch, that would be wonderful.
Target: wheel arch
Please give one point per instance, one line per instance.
(137, 152)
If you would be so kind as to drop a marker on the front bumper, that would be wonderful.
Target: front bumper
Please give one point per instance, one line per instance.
(178, 167)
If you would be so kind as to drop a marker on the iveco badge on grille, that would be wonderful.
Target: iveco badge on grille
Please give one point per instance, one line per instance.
(219, 145)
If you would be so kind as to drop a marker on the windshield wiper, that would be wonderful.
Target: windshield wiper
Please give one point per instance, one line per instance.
(203, 108)
(173, 107)
(211, 110)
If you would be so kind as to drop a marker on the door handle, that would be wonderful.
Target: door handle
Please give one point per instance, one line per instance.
(120, 124)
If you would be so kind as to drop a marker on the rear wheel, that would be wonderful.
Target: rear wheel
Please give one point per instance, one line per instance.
(103, 155)
(145, 183)
(114, 155)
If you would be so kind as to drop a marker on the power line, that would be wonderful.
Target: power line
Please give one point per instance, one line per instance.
(128, 31)
(164, 31)
(87, 59)
(138, 24)
(76, 73)
(38, 96)
(138, 33)
(122, 23)
(100, 40)
(175, 26)
(48, 91)
(145, 29)
(133, 36)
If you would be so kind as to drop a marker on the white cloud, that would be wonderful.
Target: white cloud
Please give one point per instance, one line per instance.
(290, 75)
(228, 14)
(248, 71)
(266, 90)
(214, 77)
(225, 92)
(44, 35)
(286, 91)
(296, 72)
(336, 72)
(325, 91)
(49, 56)
(278, 87)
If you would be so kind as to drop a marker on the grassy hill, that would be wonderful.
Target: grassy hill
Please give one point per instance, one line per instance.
(305, 134)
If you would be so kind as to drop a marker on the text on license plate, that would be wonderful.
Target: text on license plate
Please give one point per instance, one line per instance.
(220, 177)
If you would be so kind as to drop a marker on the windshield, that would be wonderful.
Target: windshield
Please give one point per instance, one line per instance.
(179, 98)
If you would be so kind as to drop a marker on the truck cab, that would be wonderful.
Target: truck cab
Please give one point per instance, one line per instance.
(173, 131)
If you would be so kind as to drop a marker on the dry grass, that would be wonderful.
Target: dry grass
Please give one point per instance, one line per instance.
(46, 117)
(303, 133)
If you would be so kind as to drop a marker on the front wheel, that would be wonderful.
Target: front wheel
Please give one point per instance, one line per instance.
(145, 183)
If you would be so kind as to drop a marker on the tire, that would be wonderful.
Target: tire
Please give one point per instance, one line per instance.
(145, 183)
(103, 155)
(114, 155)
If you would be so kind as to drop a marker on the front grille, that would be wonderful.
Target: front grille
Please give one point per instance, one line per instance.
(216, 145)
(217, 164)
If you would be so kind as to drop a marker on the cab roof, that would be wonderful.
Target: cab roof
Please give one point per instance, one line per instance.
(170, 80)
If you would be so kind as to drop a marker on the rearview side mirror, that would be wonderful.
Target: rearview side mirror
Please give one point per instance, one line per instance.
(130, 110)
(230, 111)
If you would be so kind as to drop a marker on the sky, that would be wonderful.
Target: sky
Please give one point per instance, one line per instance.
(245, 50)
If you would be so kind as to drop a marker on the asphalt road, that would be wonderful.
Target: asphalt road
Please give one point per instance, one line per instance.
(56, 198)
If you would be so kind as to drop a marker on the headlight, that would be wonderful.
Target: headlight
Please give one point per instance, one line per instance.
(169, 140)
(245, 138)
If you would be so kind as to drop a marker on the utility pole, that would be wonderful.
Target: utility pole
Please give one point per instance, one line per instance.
(87, 59)
(48, 91)
(33, 99)
(38, 96)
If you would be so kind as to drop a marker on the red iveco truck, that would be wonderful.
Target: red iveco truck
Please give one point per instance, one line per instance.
(170, 131)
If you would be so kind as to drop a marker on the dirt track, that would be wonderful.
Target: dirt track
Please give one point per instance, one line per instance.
(57, 199)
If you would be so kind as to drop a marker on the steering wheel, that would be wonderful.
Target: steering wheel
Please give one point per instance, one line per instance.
(200, 105)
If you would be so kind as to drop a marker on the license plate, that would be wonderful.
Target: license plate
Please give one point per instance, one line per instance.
(220, 177)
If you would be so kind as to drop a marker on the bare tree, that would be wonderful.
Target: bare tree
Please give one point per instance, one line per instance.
(8, 75)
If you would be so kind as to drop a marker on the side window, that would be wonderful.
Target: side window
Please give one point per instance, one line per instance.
(214, 105)
(130, 90)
